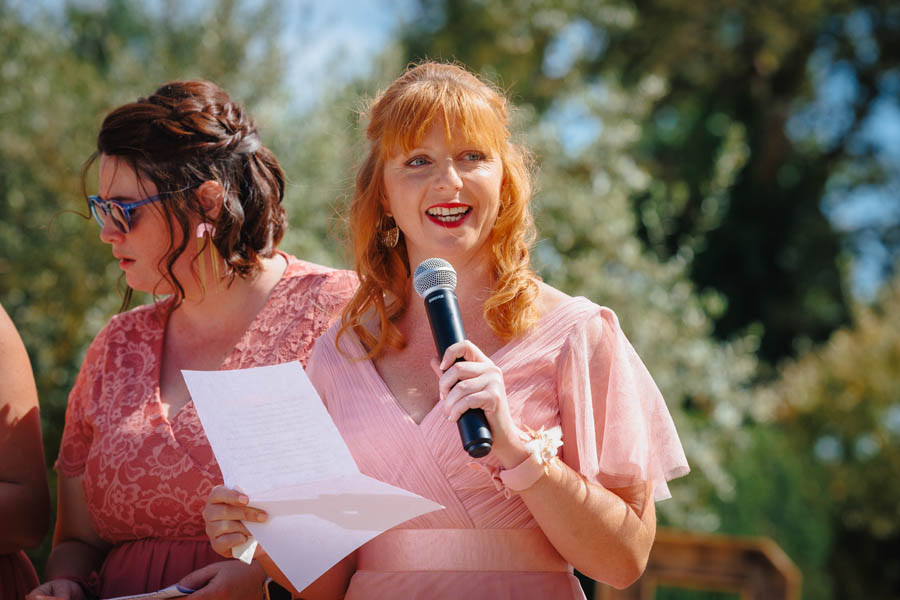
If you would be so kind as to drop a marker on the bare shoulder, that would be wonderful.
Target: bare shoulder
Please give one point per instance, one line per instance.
(17, 390)
(8, 335)
(549, 298)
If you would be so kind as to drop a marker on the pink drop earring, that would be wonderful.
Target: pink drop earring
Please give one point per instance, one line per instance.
(204, 234)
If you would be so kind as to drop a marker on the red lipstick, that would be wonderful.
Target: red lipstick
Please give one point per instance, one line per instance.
(448, 214)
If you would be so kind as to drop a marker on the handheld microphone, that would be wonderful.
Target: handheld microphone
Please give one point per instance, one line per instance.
(435, 282)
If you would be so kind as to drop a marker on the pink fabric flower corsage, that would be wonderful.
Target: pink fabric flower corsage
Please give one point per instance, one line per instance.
(542, 447)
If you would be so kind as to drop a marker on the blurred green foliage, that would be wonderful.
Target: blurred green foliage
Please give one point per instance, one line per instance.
(839, 408)
(738, 143)
(778, 493)
(657, 128)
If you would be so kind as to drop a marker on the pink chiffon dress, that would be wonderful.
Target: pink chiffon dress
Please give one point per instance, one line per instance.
(146, 477)
(575, 369)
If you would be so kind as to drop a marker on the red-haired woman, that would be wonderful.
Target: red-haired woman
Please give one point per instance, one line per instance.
(24, 499)
(190, 202)
(442, 179)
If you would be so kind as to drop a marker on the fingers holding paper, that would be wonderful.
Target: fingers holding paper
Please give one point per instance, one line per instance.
(225, 509)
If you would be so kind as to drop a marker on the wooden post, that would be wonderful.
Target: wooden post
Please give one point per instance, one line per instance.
(753, 567)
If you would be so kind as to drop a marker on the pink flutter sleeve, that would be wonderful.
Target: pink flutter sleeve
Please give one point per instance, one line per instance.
(617, 429)
(78, 433)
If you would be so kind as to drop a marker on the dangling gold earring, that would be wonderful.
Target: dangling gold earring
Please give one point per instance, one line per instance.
(204, 235)
(388, 232)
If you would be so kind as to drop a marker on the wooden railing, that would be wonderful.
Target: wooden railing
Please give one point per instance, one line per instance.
(752, 568)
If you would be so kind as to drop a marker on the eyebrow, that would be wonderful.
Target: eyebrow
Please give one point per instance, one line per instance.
(465, 147)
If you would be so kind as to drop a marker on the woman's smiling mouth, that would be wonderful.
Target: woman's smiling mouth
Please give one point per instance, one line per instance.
(448, 215)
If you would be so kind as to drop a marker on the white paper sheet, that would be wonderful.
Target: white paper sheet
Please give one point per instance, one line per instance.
(275, 441)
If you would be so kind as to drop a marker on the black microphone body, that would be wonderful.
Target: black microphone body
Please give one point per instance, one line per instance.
(442, 308)
(443, 315)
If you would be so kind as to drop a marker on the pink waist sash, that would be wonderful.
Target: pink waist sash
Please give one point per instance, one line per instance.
(461, 550)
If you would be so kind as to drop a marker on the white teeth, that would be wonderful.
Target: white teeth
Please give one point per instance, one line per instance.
(444, 214)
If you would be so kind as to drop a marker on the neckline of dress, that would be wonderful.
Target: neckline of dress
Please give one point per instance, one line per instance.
(273, 293)
(550, 317)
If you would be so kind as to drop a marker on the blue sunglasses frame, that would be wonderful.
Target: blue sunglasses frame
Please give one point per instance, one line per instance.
(101, 209)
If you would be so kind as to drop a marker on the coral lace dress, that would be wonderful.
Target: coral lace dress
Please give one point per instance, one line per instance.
(576, 369)
(146, 477)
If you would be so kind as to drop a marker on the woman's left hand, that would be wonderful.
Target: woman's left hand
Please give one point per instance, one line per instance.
(476, 382)
(225, 580)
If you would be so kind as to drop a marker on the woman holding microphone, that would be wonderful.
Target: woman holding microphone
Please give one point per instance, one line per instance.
(442, 179)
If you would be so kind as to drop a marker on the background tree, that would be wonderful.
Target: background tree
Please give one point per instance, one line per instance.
(839, 407)
(652, 152)
(734, 74)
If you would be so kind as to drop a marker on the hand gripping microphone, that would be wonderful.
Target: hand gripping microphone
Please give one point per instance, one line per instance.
(435, 281)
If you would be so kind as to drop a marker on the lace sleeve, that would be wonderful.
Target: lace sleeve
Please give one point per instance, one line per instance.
(336, 289)
(78, 433)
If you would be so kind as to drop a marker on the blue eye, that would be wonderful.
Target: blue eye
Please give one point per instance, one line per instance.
(474, 155)
(418, 161)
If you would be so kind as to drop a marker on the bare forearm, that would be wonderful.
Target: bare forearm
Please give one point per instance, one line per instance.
(333, 584)
(24, 498)
(24, 515)
(74, 557)
(593, 528)
(606, 534)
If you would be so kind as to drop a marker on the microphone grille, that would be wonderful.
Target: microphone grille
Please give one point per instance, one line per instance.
(434, 273)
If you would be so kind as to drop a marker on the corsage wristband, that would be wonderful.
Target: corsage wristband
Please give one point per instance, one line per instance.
(522, 476)
(542, 447)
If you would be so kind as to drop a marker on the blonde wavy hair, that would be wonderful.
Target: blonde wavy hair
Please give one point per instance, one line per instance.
(398, 119)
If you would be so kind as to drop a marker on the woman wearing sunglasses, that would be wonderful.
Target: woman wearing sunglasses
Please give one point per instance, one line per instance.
(190, 202)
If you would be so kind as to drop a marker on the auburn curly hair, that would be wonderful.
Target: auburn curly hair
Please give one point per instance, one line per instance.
(187, 133)
(398, 119)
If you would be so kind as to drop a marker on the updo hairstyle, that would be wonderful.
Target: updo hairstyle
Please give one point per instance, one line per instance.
(187, 133)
